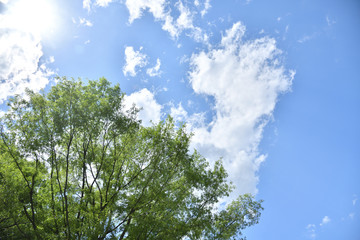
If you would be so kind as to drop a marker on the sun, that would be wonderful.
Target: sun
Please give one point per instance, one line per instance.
(38, 17)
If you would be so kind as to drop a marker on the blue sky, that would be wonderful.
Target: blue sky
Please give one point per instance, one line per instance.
(273, 87)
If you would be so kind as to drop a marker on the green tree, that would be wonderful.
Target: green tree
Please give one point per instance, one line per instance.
(75, 165)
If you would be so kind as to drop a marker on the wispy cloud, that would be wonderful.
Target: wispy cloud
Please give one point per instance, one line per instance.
(82, 22)
(133, 60)
(329, 21)
(85, 22)
(154, 71)
(306, 38)
(103, 3)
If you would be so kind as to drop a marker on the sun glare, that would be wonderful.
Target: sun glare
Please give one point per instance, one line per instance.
(38, 17)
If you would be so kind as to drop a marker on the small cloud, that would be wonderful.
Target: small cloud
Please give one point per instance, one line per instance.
(103, 3)
(329, 21)
(85, 22)
(352, 215)
(86, 4)
(354, 200)
(206, 7)
(278, 19)
(154, 71)
(51, 59)
(145, 100)
(325, 220)
(133, 59)
(87, 42)
(184, 59)
(311, 230)
(307, 37)
(98, 3)
(163, 13)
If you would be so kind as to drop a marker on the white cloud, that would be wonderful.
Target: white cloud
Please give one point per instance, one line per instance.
(161, 11)
(325, 220)
(133, 59)
(151, 110)
(329, 21)
(306, 38)
(156, 7)
(245, 79)
(179, 114)
(311, 228)
(103, 3)
(206, 7)
(154, 71)
(352, 215)
(85, 22)
(20, 54)
(354, 200)
(86, 4)
(184, 20)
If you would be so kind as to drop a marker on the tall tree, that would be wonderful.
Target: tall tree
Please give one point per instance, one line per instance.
(75, 165)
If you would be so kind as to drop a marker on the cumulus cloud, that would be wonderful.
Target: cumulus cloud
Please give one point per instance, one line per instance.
(133, 60)
(245, 78)
(21, 52)
(154, 71)
(145, 100)
(161, 10)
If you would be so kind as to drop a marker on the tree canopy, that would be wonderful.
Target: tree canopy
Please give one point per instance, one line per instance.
(76, 165)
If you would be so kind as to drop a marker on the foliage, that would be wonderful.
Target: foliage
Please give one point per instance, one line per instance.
(75, 165)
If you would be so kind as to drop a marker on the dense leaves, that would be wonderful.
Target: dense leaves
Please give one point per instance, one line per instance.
(75, 165)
